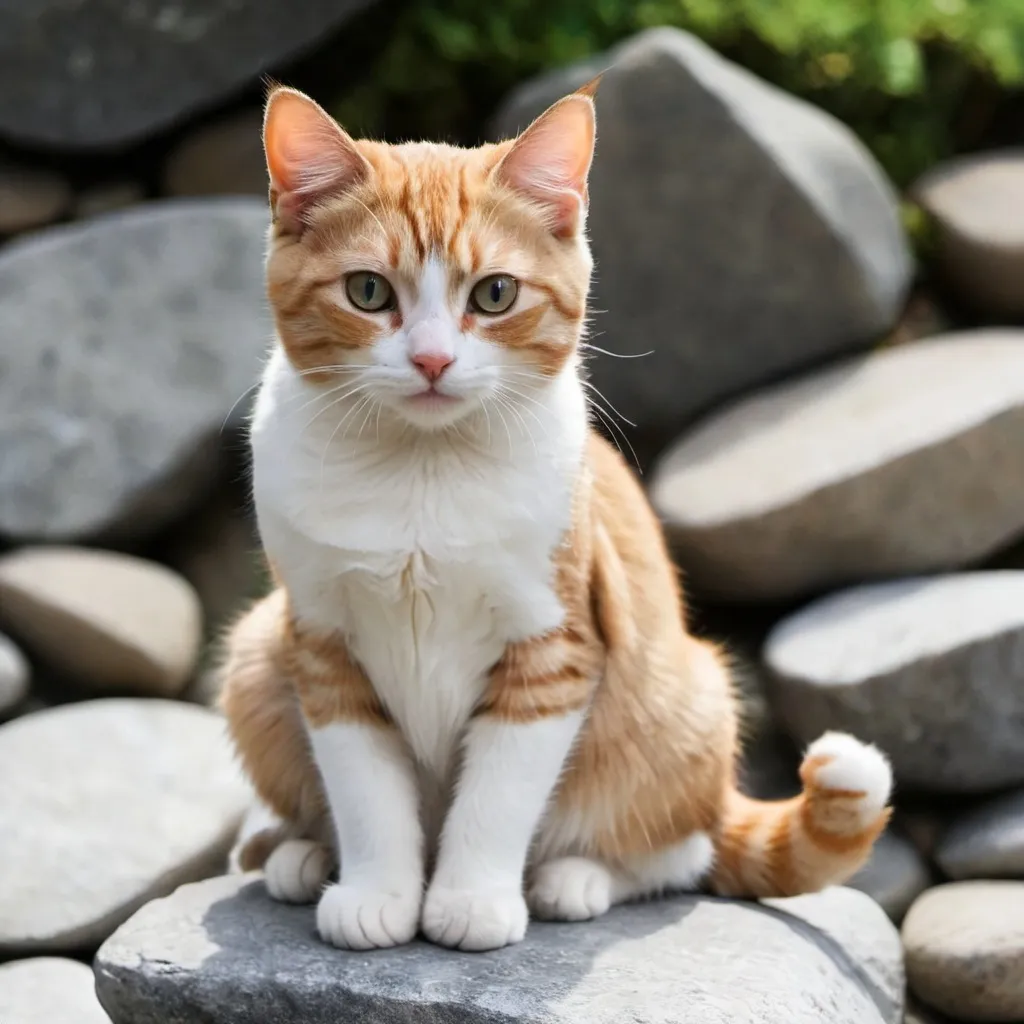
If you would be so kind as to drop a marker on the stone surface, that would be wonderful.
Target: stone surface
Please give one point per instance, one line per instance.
(105, 805)
(917, 1013)
(14, 676)
(739, 233)
(124, 342)
(48, 990)
(977, 208)
(223, 951)
(986, 842)
(29, 196)
(223, 158)
(894, 876)
(100, 74)
(928, 669)
(106, 198)
(104, 620)
(964, 946)
(896, 463)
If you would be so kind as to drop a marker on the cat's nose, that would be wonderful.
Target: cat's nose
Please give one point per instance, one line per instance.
(432, 364)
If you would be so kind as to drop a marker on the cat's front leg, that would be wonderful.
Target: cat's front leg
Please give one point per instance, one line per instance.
(370, 783)
(514, 752)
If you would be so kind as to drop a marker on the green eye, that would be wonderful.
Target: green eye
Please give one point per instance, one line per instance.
(369, 291)
(494, 294)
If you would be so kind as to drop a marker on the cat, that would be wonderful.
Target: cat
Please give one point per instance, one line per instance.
(473, 684)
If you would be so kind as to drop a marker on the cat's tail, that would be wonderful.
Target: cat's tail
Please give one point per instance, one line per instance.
(816, 839)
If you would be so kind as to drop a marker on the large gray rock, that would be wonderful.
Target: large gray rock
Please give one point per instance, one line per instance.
(222, 951)
(987, 841)
(739, 232)
(105, 805)
(929, 669)
(48, 990)
(124, 342)
(895, 875)
(904, 461)
(100, 73)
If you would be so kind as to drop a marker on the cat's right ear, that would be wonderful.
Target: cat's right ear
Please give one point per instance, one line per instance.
(309, 157)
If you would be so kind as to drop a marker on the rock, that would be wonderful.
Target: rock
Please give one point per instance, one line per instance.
(60, 87)
(105, 620)
(104, 806)
(221, 950)
(964, 945)
(894, 876)
(764, 237)
(48, 990)
(927, 669)
(106, 198)
(223, 158)
(976, 204)
(896, 463)
(923, 825)
(917, 1013)
(14, 676)
(29, 196)
(986, 842)
(124, 342)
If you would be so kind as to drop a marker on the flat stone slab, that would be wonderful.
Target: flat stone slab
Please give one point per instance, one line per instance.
(48, 990)
(223, 951)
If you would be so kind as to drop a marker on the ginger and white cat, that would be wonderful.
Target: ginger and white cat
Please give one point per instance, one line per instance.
(474, 685)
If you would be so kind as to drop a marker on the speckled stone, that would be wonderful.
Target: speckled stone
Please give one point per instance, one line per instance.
(986, 841)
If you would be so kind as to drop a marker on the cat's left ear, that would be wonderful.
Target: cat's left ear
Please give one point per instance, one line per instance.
(550, 161)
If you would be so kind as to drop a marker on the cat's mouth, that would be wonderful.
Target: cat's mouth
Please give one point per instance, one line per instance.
(430, 398)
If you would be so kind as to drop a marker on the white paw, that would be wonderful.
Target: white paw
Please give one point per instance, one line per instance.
(353, 917)
(571, 889)
(845, 764)
(297, 870)
(474, 919)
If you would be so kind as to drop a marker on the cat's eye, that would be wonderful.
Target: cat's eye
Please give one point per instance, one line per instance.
(494, 294)
(369, 291)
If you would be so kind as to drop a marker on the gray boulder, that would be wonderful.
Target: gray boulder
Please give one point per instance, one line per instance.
(222, 951)
(901, 462)
(986, 841)
(928, 669)
(100, 74)
(124, 342)
(739, 233)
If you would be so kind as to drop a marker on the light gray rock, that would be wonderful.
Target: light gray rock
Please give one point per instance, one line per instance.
(739, 232)
(30, 197)
(895, 875)
(104, 806)
(964, 945)
(928, 669)
(223, 951)
(986, 842)
(896, 463)
(124, 342)
(14, 676)
(977, 208)
(222, 158)
(49, 990)
(100, 74)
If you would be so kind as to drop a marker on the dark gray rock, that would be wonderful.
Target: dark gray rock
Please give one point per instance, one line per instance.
(987, 841)
(222, 951)
(48, 990)
(124, 342)
(928, 669)
(895, 875)
(739, 233)
(900, 462)
(102, 73)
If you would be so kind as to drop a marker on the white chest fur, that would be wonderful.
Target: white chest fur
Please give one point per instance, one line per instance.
(428, 552)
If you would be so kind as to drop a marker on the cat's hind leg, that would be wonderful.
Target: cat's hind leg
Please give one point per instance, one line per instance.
(298, 870)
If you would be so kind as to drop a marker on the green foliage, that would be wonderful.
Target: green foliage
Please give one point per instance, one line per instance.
(916, 79)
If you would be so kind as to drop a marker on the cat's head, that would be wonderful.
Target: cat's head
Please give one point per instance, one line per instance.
(433, 279)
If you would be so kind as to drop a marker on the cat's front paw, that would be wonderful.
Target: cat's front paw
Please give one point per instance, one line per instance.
(354, 917)
(474, 919)
(571, 889)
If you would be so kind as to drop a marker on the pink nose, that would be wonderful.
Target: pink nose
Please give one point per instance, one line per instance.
(432, 364)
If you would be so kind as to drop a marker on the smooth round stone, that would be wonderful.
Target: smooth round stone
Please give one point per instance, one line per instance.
(987, 841)
(901, 462)
(14, 676)
(894, 876)
(964, 946)
(223, 158)
(30, 197)
(102, 619)
(977, 206)
(125, 341)
(49, 990)
(104, 806)
(928, 669)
